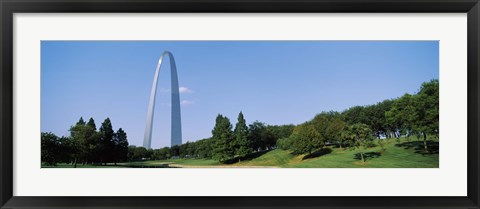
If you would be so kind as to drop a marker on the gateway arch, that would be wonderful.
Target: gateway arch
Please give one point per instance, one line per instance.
(176, 125)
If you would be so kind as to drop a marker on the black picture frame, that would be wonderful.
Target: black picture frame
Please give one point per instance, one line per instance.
(9, 7)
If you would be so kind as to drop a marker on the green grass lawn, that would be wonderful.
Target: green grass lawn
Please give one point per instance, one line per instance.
(409, 155)
(64, 165)
(393, 157)
(188, 162)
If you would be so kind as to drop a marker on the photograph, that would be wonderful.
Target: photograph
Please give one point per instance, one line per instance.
(239, 104)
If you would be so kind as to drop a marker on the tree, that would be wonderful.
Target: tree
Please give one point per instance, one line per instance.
(204, 148)
(255, 132)
(359, 135)
(92, 142)
(427, 110)
(285, 143)
(356, 114)
(329, 125)
(187, 150)
(377, 120)
(306, 139)
(138, 153)
(402, 115)
(222, 136)
(242, 145)
(50, 148)
(121, 146)
(282, 131)
(264, 137)
(175, 151)
(383, 144)
(161, 154)
(91, 124)
(276, 132)
(107, 143)
(81, 121)
(334, 130)
(79, 135)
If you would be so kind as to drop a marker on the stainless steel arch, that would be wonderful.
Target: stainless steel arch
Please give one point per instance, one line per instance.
(176, 126)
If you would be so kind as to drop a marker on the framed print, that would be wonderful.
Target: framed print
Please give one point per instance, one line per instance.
(348, 104)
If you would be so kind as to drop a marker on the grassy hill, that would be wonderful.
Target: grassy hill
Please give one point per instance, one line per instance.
(405, 154)
(402, 155)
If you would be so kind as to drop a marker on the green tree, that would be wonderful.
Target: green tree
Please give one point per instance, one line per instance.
(427, 110)
(334, 130)
(79, 136)
(131, 152)
(91, 124)
(306, 139)
(81, 121)
(264, 137)
(402, 115)
(187, 150)
(242, 145)
(107, 144)
(161, 154)
(282, 131)
(121, 146)
(383, 144)
(285, 143)
(138, 153)
(377, 120)
(255, 133)
(329, 125)
(175, 151)
(359, 135)
(356, 114)
(222, 136)
(92, 142)
(50, 147)
(204, 148)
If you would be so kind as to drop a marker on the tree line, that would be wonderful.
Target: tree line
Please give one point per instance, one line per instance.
(85, 145)
(227, 142)
(356, 127)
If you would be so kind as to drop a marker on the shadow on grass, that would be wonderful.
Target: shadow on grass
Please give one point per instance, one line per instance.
(432, 147)
(318, 153)
(250, 156)
(368, 155)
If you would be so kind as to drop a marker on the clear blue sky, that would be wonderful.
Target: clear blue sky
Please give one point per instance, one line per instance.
(276, 82)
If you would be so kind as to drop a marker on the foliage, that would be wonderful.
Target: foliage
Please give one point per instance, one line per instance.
(329, 125)
(241, 145)
(121, 146)
(306, 139)
(285, 143)
(107, 143)
(85, 145)
(50, 148)
(358, 135)
(222, 136)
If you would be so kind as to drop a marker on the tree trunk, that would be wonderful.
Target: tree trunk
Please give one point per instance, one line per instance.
(75, 163)
(425, 142)
(361, 154)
